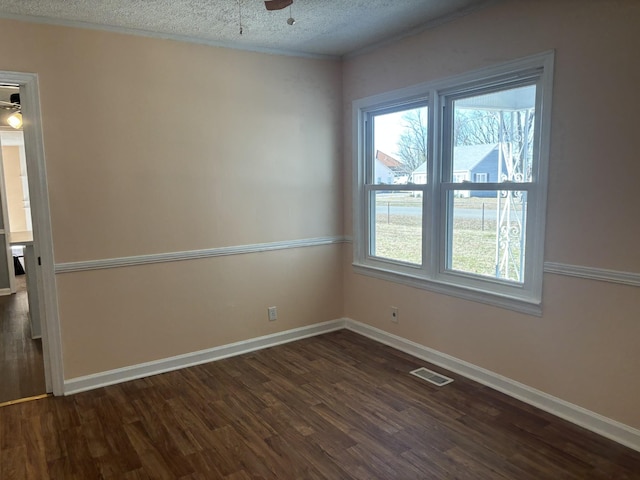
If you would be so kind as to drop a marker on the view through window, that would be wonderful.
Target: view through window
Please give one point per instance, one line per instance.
(461, 204)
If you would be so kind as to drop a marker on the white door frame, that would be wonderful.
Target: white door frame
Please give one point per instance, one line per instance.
(42, 237)
(4, 231)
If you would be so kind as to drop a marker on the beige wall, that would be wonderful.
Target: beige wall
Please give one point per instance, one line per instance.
(584, 349)
(119, 317)
(157, 146)
(13, 185)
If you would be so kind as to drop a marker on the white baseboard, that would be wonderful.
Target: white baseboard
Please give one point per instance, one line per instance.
(119, 375)
(592, 421)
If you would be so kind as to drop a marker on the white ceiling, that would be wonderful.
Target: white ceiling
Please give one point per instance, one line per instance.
(323, 27)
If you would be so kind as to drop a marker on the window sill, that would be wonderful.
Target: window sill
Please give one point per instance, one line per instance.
(488, 298)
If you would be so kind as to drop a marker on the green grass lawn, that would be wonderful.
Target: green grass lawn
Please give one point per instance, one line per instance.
(399, 237)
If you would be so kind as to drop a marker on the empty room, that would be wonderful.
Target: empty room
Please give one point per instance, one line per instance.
(300, 239)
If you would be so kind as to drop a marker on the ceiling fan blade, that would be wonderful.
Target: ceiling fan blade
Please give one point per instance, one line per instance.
(277, 4)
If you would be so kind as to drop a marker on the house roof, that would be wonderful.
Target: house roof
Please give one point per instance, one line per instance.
(388, 160)
(466, 157)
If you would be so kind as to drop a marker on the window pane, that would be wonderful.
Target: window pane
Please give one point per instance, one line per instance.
(397, 231)
(493, 136)
(400, 147)
(487, 233)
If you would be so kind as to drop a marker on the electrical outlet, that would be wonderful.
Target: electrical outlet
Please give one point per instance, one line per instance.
(394, 314)
(273, 313)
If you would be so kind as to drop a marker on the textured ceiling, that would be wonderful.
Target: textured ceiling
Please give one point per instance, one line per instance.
(323, 27)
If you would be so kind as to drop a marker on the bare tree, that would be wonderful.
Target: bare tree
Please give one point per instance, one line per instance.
(412, 144)
(476, 127)
(479, 127)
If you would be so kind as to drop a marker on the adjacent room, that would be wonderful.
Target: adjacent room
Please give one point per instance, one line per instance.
(298, 239)
(21, 362)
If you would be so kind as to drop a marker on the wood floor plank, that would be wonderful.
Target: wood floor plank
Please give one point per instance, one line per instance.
(337, 406)
(21, 360)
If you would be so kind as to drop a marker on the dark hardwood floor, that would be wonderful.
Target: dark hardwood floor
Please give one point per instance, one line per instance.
(338, 406)
(21, 363)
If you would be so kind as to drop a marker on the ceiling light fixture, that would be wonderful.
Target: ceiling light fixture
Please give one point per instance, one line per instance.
(15, 120)
(291, 20)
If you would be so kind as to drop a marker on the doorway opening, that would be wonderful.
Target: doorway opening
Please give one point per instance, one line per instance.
(30, 355)
(22, 361)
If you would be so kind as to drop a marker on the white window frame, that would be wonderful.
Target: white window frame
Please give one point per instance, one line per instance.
(432, 275)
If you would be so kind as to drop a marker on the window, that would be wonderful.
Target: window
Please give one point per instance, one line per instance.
(481, 177)
(464, 212)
